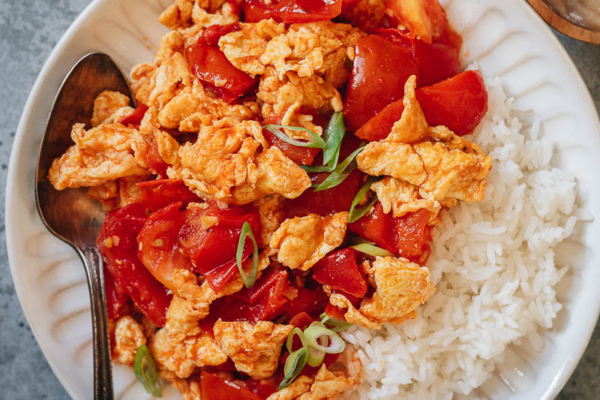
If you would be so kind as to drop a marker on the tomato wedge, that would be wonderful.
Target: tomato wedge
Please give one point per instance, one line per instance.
(339, 270)
(257, 10)
(310, 301)
(210, 239)
(380, 71)
(116, 299)
(260, 303)
(460, 103)
(376, 227)
(213, 33)
(118, 245)
(302, 11)
(160, 193)
(212, 67)
(216, 387)
(299, 155)
(158, 244)
(412, 233)
(135, 118)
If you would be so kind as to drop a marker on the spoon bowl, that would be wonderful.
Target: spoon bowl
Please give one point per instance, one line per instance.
(70, 214)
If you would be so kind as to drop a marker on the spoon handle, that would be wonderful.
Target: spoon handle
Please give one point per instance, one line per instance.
(103, 387)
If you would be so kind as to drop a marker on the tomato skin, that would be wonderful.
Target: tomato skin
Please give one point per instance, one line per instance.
(302, 320)
(299, 155)
(339, 270)
(148, 294)
(213, 33)
(257, 10)
(116, 299)
(212, 252)
(212, 67)
(135, 118)
(260, 303)
(380, 71)
(158, 244)
(326, 202)
(376, 227)
(215, 387)
(309, 301)
(302, 11)
(160, 193)
(460, 103)
(412, 233)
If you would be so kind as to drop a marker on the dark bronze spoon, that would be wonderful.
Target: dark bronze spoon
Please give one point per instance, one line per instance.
(70, 214)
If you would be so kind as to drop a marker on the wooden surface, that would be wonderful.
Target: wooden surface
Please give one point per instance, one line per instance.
(562, 25)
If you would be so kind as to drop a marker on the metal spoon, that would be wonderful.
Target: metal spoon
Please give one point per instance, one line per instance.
(579, 19)
(71, 215)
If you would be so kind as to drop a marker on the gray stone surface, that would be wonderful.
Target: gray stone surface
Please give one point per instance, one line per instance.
(29, 30)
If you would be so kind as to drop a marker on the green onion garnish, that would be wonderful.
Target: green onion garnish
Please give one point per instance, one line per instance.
(249, 279)
(315, 357)
(340, 172)
(369, 248)
(357, 213)
(334, 324)
(146, 371)
(316, 143)
(317, 333)
(293, 365)
(290, 339)
(333, 137)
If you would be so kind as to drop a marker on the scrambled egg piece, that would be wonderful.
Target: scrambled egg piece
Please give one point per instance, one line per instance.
(436, 160)
(156, 85)
(312, 48)
(326, 385)
(302, 242)
(286, 99)
(270, 209)
(100, 154)
(129, 335)
(403, 198)
(108, 103)
(254, 348)
(223, 164)
(192, 108)
(245, 48)
(401, 286)
(203, 13)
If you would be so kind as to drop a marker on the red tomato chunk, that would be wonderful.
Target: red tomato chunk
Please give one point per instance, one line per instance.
(412, 233)
(299, 11)
(260, 303)
(213, 33)
(211, 66)
(339, 270)
(215, 387)
(309, 301)
(162, 192)
(116, 298)
(380, 71)
(299, 155)
(460, 103)
(136, 117)
(118, 245)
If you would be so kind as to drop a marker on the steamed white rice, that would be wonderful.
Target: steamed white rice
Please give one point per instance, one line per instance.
(493, 263)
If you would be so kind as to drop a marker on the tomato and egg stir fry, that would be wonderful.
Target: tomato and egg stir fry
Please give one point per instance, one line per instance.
(277, 183)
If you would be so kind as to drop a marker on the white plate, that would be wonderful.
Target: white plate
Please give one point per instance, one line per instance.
(507, 39)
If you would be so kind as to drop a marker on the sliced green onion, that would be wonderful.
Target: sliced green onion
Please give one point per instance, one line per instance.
(357, 213)
(334, 324)
(333, 137)
(290, 339)
(316, 143)
(293, 365)
(322, 168)
(315, 357)
(317, 331)
(249, 279)
(371, 249)
(146, 371)
(340, 172)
